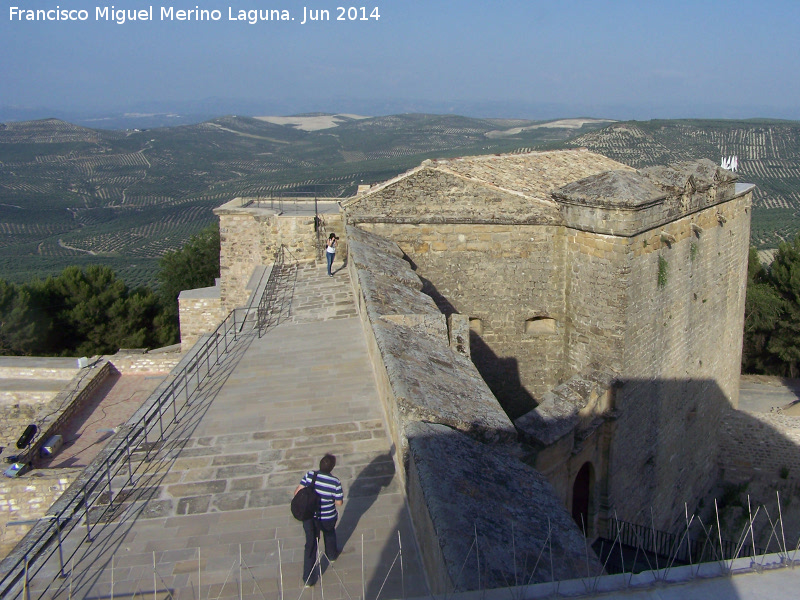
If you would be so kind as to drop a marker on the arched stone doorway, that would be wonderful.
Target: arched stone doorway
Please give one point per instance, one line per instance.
(582, 498)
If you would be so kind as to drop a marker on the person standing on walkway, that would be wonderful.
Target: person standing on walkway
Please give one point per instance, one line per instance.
(329, 490)
(330, 251)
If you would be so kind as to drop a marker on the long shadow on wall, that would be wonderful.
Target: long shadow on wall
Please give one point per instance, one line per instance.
(503, 378)
(500, 374)
(678, 444)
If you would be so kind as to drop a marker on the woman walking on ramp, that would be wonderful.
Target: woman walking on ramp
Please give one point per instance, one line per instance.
(330, 251)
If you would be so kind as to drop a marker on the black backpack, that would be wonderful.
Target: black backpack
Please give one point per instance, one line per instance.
(306, 502)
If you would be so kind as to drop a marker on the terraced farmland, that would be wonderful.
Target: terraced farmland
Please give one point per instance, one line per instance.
(71, 195)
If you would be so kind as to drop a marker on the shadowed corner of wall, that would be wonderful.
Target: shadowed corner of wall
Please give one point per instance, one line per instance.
(503, 378)
(500, 374)
(678, 445)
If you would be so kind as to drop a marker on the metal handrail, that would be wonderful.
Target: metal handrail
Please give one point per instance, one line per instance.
(162, 415)
(269, 296)
(295, 193)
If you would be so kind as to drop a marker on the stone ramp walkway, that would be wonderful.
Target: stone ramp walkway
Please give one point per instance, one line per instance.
(216, 520)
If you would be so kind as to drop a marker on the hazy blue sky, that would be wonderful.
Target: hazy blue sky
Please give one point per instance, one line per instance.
(638, 59)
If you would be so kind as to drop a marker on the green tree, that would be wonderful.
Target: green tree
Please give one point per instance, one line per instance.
(763, 307)
(195, 265)
(22, 328)
(784, 274)
(93, 312)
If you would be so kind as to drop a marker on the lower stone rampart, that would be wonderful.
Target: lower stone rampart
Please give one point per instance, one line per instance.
(28, 499)
(455, 443)
(53, 417)
(763, 445)
(199, 312)
(146, 363)
(464, 494)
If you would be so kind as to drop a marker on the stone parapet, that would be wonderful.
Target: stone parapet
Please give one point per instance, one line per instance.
(423, 378)
(52, 417)
(573, 405)
(27, 499)
(26, 367)
(147, 363)
(200, 311)
(463, 493)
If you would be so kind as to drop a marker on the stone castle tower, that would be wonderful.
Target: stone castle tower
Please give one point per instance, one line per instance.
(605, 305)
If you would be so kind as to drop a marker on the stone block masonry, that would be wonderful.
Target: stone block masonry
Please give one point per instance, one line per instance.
(28, 499)
(453, 437)
(250, 235)
(567, 262)
(760, 445)
(464, 494)
(200, 311)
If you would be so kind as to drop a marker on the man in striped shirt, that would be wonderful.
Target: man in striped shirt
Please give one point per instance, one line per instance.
(329, 490)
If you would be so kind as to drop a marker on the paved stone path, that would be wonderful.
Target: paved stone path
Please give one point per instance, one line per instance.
(221, 489)
(759, 393)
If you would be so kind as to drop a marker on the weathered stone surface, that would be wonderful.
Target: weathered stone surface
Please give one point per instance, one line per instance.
(627, 203)
(433, 383)
(388, 296)
(470, 489)
(458, 333)
(559, 413)
(356, 234)
(199, 311)
(383, 263)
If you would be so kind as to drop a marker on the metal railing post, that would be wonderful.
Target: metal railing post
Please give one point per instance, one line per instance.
(60, 551)
(27, 589)
(160, 423)
(108, 476)
(186, 386)
(128, 453)
(88, 525)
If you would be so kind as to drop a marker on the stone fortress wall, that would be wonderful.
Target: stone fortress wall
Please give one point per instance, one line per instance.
(251, 234)
(617, 272)
(455, 443)
(602, 306)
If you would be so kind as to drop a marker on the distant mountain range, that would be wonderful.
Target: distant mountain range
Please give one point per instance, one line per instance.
(151, 114)
(75, 194)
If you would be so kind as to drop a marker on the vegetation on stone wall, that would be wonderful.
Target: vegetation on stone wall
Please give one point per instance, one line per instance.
(663, 272)
(772, 313)
(83, 312)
